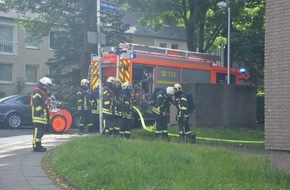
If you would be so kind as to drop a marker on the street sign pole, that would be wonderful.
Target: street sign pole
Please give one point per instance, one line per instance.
(100, 67)
(109, 8)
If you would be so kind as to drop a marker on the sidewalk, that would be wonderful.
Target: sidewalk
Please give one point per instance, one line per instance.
(20, 167)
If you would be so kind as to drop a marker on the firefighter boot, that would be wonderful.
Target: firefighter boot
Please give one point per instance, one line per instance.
(111, 130)
(188, 138)
(127, 135)
(81, 130)
(91, 129)
(158, 136)
(165, 137)
(116, 131)
(193, 139)
(181, 138)
(39, 148)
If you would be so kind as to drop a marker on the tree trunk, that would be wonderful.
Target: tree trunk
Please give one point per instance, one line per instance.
(90, 14)
(190, 38)
(201, 37)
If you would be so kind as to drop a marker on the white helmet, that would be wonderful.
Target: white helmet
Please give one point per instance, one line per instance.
(170, 91)
(46, 81)
(126, 85)
(111, 80)
(84, 82)
(178, 87)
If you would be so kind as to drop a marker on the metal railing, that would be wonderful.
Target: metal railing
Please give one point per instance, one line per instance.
(7, 47)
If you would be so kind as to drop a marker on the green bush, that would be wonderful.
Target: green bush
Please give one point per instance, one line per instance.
(260, 108)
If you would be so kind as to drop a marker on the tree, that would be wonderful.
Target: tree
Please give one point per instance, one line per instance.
(248, 37)
(206, 27)
(67, 22)
(190, 14)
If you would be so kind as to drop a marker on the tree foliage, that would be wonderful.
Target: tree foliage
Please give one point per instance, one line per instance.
(206, 27)
(247, 49)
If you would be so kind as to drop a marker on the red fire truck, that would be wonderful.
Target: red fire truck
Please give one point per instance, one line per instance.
(149, 67)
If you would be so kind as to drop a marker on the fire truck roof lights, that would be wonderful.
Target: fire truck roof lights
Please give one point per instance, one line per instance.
(118, 51)
(132, 55)
(242, 70)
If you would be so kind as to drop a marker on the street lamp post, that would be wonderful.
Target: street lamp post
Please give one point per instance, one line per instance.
(225, 5)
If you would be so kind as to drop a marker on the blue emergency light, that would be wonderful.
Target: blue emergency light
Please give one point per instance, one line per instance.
(242, 70)
(132, 55)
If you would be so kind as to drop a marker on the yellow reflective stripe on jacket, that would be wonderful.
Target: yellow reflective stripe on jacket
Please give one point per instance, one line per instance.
(156, 110)
(38, 108)
(37, 119)
(36, 95)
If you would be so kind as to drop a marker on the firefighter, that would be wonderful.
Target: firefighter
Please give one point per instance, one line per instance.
(161, 109)
(108, 99)
(183, 112)
(40, 115)
(84, 107)
(127, 104)
(95, 101)
(117, 112)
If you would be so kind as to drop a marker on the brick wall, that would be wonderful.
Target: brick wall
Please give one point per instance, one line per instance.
(277, 82)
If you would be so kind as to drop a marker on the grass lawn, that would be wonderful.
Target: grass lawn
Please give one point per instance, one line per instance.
(101, 162)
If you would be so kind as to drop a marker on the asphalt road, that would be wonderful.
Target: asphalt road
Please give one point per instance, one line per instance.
(9, 137)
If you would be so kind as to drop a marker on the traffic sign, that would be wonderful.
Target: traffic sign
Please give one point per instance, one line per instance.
(94, 37)
(109, 8)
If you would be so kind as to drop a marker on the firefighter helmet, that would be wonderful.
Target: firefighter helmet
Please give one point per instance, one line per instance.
(170, 91)
(178, 87)
(111, 80)
(84, 82)
(46, 81)
(126, 85)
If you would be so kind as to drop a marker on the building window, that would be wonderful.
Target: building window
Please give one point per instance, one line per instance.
(174, 46)
(163, 45)
(6, 39)
(30, 41)
(31, 74)
(6, 72)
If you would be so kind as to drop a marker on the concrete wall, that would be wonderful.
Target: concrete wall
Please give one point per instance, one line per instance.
(222, 106)
(277, 83)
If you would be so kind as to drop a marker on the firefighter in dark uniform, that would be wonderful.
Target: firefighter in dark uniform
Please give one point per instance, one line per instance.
(108, 99)
(182, 117)
(127, 105)
(161, 110)
(83, 105)
(117, 112)
(40, 115)
(95, 101)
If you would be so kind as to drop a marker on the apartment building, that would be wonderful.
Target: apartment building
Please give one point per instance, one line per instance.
(22, 61)
(167, 37)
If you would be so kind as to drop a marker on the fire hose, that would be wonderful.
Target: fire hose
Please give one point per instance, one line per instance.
(200, 138)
